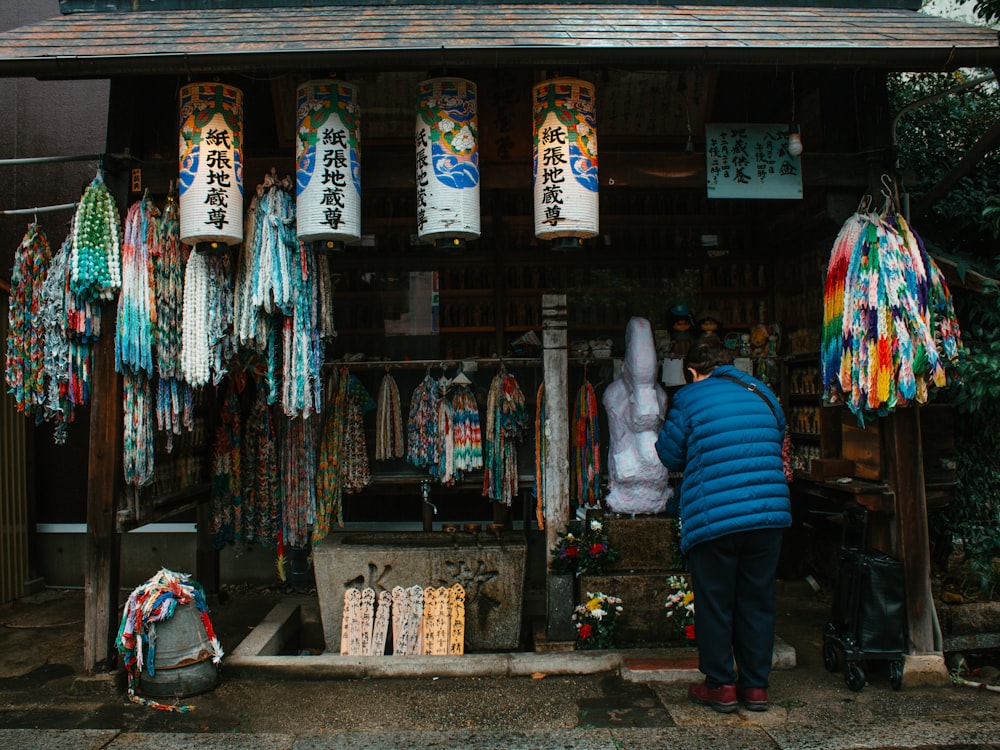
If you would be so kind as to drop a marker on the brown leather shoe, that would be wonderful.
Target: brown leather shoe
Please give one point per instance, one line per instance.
(722, 699)
(753, 699)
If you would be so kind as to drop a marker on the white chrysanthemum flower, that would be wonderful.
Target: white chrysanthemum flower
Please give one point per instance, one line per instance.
(446, 125)
(596, 525)
(582, 129)
(463, 140)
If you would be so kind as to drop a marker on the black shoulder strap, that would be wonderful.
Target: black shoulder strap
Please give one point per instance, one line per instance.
(752, 387)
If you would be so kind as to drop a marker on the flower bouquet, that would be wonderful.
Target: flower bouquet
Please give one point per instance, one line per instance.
(586, 552)
(680, 605)
(597, 549)
(595, 620)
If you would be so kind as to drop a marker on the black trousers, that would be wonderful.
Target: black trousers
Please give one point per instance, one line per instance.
(733, 578)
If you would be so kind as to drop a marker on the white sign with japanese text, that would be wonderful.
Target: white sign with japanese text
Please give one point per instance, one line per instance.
(750, 161)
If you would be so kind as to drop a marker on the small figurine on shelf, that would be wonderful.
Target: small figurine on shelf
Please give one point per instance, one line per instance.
(709, 321)
(681, 324)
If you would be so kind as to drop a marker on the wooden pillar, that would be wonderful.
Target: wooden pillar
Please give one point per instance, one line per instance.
(906, 478)
(556, 428)
(105, 470)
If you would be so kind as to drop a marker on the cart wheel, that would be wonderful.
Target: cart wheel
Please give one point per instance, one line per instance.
(831, 657)
(854, 675)
(896, 674)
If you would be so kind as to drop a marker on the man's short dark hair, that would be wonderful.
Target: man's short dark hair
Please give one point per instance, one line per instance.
(706, 354)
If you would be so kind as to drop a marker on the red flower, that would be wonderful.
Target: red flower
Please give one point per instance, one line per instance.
(572, 552)
(689, 632)
(585, 630)
(597, 548)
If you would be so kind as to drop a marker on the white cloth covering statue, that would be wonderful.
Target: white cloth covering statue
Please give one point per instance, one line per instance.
(636, 405)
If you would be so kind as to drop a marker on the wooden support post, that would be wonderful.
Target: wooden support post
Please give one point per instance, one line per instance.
(906, 478)
(104, 474)
(555, 371)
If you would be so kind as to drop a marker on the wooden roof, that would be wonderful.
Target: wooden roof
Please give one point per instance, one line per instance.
(102, 44)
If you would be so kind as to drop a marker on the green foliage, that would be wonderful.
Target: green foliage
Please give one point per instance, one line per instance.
(988, 10)
(973, 516)
(932, 137)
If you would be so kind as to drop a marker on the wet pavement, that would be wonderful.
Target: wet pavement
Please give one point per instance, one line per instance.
(46, 701)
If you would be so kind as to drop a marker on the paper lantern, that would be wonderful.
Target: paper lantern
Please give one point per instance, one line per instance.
(211, 166)
(447, 143)
(565, 161)
(328, 164)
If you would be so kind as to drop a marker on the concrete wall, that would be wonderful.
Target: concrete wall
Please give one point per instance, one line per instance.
(62, 552)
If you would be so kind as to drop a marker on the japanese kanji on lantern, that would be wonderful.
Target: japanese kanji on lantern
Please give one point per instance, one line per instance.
(447, 150)
(211, 166)
(328, 164)
(565, 161)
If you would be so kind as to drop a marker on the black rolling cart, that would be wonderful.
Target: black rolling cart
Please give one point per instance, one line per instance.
(869, 608)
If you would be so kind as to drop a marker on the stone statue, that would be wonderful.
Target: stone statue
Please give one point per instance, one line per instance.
(636, 405)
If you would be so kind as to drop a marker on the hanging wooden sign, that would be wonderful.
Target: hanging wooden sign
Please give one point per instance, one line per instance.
(751, 161)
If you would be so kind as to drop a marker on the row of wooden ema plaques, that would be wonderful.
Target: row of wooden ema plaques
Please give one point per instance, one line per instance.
(425, 621)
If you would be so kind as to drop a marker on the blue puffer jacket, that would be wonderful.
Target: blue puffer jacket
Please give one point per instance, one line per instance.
(728, 444)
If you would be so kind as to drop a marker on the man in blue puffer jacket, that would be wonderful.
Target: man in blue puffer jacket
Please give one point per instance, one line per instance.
(725, 431)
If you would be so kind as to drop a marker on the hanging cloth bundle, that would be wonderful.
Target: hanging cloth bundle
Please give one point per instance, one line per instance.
(206, 346)
(506, 421)
(421, 426)
(889, 332)
(329, 474)
(150, 603)
(444, 469)
(357, 472)
(467, 435)
(540, 456)
(25, 373)
(95, 266)
(275, 243)
(251, 326)
(227, 484)
(302, 383)
(136, 302)
(138, 443)
(134, 340)
(298, 478)
(261, 501)
(174, 396)
(586, 447)
(388, 421)
(58, 348)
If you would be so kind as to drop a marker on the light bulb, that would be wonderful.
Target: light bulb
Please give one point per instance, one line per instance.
(794, 144)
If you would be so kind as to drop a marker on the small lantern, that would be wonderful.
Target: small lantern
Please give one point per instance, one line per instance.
(328, 165)
(211, 166)
(565, 161)
(447, 146)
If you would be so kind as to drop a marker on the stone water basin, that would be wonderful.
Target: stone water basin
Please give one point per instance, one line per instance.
(489, 565)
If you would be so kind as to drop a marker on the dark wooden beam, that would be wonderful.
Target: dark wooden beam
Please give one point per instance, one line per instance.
(101, 575)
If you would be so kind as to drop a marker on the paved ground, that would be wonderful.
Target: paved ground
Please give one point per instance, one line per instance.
(46, 702)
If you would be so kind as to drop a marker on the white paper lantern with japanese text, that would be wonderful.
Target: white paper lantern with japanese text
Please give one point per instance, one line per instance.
(447, 150)
(210, 183)
(565, 161)
(328, 164)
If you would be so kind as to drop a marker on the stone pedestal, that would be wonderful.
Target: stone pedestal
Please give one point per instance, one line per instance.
(489, 567)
